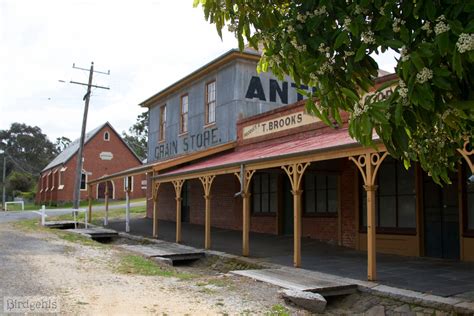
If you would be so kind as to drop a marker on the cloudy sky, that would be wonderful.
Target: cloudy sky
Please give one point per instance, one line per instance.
(147, 45)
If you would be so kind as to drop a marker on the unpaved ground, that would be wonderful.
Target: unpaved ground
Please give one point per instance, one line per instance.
(86, 279)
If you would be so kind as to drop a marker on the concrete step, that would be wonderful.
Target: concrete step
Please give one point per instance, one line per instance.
(169, 253)
(300, 280)
(96, 233)
(60, 224)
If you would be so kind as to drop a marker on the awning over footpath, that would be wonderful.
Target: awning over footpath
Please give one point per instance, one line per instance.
(285, 148)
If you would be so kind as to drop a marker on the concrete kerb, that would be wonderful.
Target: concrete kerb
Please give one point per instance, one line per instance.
(449, 304)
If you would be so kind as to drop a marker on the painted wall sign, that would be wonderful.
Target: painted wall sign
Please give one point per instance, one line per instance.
(278, 124)
(255, 90)
(379, 96)
(106, 155)
(189, 143)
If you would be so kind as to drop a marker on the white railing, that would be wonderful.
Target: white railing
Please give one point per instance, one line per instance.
(74, 212)
(15, 202)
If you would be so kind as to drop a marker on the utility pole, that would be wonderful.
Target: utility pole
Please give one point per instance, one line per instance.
(77, 187)
(3, 179)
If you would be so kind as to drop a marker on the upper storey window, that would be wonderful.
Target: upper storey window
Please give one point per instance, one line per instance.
(106, 136)
(210, 102)
(162, 122)
(184, 113)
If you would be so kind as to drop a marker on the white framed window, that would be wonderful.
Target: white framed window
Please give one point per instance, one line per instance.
(60, 178)
(106, 136)
(184, 113)
(128, 181)
(211, 102)
(83, 181)
(162, 123)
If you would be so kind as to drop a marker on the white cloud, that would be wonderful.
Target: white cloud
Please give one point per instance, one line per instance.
(147, 45)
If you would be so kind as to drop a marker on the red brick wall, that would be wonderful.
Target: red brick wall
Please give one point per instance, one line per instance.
(349, 207)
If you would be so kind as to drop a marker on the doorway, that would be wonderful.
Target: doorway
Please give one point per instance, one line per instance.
(185, 209)
(441, 219)
(101, 190)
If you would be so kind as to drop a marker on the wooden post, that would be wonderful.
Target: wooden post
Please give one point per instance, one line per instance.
(295, 173)
(245, 194)
(127, 210)
(207, 183)
(155, 188)
(89, 196)
(106, 218)
(178, 184)
(368, 165)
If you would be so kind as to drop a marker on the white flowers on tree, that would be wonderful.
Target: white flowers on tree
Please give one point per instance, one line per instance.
(465, 43)
(327, 45)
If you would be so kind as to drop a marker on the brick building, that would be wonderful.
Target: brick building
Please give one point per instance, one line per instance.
(105, 153)
(233, 148)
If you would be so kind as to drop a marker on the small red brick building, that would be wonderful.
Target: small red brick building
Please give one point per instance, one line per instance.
(105, 152)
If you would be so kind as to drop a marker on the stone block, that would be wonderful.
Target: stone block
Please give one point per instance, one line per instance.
(312, 302)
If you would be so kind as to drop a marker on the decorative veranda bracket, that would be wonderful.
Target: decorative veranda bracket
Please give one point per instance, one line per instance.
(178, 185)
(368, 165)
(295, 173)
(247, 178)
(155, 188)
(207, 183)
(466, 153)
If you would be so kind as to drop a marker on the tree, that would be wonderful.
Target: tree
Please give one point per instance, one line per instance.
(28, 150)
(20, 182)
(137, 136)
(326, 44)
(62, 143)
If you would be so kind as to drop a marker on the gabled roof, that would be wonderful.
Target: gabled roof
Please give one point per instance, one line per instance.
(247, 53)
(73, 148)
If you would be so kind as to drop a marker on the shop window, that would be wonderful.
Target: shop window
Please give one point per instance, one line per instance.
(211, 102)
(395, 199)
(106, 136)
(264, 193)
(184, 113)
(83, 181)
(162, 123)
(320, 194)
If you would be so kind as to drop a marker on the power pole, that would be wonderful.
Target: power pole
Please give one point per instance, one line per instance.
(77, 187)
(3, 179)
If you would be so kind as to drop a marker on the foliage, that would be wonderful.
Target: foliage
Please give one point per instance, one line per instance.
(18, 182)
(137, 136)
(62, 143)
(28, 150)
(327, 44)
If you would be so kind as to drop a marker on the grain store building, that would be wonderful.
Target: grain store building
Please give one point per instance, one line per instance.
(105, 153)
(232, 148)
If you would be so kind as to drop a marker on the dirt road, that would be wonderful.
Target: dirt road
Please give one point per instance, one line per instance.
(87, 280)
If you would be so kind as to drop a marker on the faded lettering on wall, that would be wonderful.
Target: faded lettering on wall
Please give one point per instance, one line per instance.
(189, 143)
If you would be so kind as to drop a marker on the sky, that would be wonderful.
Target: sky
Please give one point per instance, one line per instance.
(147, 45)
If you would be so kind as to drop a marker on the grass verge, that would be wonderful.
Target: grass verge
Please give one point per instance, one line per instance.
(134, 264)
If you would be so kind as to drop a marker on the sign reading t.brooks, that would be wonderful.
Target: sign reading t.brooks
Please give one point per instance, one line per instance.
(278, 124)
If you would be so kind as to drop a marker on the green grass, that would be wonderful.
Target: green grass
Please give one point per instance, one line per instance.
(279, 310)
(134, 264)
(34, 225)
(98, 216)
